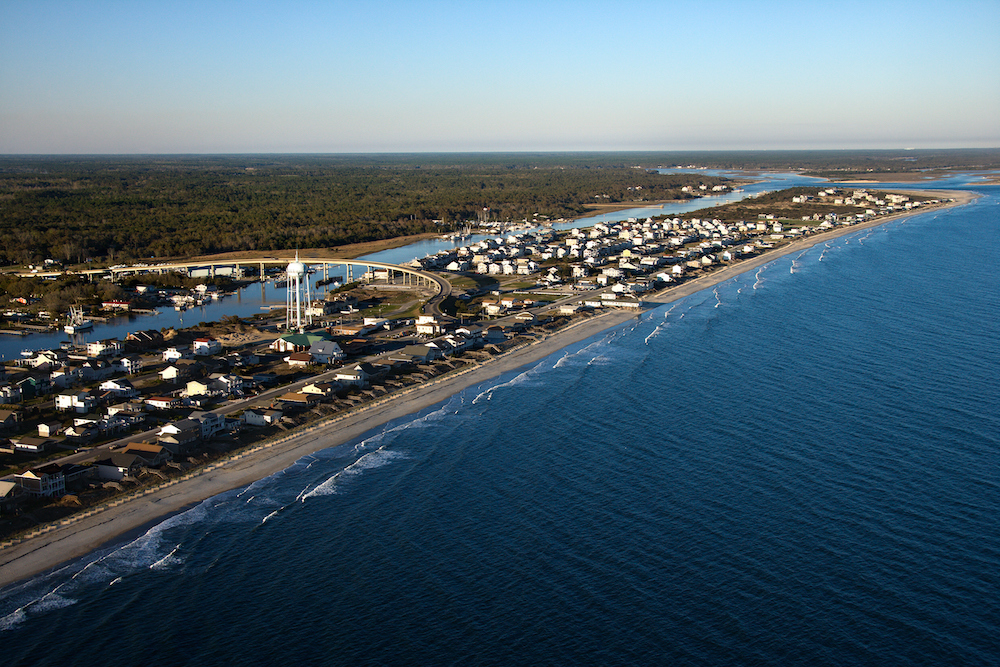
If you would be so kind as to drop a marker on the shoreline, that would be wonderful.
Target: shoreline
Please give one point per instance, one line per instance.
(80, 536)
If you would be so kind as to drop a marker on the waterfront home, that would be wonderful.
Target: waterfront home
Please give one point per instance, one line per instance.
(494, 335)
(11, 496)
(155, 455)
(261, 416)
(419, 354)
(293, 400)
(525, 319)
(180, 435)
(387, 365)
(354, 376)
(120, 465)
(569, 308)
(211, 423)
(143, 340)
(109, 347)
(459, 342)
(45, 359)
(322, 389)
(44, 482)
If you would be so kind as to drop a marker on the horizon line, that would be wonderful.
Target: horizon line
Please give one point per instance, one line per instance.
(511, 152)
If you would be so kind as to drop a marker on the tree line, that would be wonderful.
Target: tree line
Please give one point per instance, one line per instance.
(124, 209)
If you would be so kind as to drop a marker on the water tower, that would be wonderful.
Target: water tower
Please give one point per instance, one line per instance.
(297, 303)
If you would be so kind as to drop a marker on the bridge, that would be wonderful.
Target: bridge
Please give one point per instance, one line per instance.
(394, 274)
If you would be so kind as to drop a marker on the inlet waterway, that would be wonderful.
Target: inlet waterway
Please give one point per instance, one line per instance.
(259, 297)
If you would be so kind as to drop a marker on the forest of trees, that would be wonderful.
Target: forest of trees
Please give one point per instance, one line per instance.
(119, 209)
(126, 208)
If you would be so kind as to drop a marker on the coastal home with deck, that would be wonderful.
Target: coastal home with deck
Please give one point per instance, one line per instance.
(44, 482)
(261, 416)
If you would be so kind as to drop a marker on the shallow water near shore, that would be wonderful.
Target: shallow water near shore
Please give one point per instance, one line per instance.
(797, 466)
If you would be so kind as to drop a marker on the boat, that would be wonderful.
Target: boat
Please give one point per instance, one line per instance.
(77, 323)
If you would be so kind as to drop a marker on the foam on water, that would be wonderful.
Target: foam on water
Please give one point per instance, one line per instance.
(716, 490)
(370, 461)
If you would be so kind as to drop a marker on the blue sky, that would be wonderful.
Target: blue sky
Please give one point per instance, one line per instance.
(136, 76)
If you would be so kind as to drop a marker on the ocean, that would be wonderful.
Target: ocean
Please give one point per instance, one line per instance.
(799, 466)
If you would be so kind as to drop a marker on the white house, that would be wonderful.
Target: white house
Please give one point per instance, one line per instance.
(80, 402)
(261, 417)
(177, 352)
(104, 348)
(354, 376)
(428, 326)
(121, 388)
(299, 359)
(130, 364)
(206, 346)
(162, 402)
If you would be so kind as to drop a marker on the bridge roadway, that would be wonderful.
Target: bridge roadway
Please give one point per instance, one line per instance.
(418, 277)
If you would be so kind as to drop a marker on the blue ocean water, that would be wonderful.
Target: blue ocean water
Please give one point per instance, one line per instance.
(798, 466)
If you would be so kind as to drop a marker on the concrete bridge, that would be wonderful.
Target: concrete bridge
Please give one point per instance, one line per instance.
(393, 273)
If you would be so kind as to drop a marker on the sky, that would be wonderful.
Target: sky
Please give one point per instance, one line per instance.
(296, 76)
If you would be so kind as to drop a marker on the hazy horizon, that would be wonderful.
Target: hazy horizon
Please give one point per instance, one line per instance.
(185, 78)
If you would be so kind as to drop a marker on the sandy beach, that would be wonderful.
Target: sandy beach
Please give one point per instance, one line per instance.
(80, 535)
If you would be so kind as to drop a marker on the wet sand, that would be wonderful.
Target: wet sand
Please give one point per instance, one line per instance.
(81, 535)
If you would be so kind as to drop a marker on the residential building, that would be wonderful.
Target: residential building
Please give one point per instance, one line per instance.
(45, 482)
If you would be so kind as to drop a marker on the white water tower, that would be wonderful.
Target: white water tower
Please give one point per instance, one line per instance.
(297, 304)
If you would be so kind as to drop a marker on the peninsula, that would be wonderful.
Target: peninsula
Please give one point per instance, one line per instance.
(81, 533)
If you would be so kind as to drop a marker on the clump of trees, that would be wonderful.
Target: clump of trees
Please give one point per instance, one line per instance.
(56, 296)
